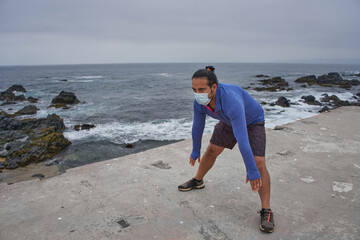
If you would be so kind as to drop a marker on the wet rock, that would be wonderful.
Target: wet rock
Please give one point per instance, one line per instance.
(7, 96)
(330, 78)
(310, 79)
(32, 99)
(20, 98)
(30, 140)
(18, 88)
(83, 127)
(311, 100)
(261, 75)
(63, 99)
(330, 99)
(358, 94)
(129, 145)
(324, 109)
(8, 103)
(28, 110)
(283, 102)
(304, 86)
(274, 84)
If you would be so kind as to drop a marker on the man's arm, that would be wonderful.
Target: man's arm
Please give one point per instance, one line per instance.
(197, 130)
(236, 113)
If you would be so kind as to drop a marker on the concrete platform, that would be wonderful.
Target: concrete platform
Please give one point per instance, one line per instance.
(314, 165)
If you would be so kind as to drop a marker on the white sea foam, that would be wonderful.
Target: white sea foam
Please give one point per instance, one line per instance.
(119, 133)
(90, 77)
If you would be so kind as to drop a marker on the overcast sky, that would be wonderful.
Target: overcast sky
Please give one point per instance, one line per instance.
(116, 31)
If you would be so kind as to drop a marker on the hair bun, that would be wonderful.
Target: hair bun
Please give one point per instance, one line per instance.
(210, 68)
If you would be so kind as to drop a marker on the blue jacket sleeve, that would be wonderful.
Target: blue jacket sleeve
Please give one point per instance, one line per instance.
(197, 130)
(236, 112)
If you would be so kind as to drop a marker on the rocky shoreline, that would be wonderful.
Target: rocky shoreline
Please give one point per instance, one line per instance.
(31, 140)
(332, 79)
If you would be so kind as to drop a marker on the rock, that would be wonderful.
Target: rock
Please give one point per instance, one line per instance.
(311, 100)
(330, 78)
(283, 102)
(63, 80)
(8, 103)
(261, 75)
(304, 86)
(324, 109)
(28, 110)
(7, 96)
(275, 84)
(129, 145)
(358, 94)
(17, 88)
(87, 126)
(20, 98)
(276, 81)
(32, 99)
(334, 99)
(263, 103)
(63, 99)
(30, 140)
(310, 79)
(83, 127)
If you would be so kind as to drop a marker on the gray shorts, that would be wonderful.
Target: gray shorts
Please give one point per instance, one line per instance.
(223, 136)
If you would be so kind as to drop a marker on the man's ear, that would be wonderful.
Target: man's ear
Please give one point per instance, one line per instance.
(214, 87)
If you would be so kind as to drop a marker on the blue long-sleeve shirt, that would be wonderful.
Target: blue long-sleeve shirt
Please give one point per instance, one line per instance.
(235, 107)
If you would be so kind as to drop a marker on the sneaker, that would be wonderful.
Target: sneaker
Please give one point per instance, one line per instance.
(267, 220)
(191, 184)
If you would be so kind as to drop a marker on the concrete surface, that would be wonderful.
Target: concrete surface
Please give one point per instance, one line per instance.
(314, 165)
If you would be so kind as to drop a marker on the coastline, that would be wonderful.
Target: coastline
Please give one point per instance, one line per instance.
(135, 196)
(27, 172)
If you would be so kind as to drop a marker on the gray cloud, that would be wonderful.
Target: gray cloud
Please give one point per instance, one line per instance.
(94, 31)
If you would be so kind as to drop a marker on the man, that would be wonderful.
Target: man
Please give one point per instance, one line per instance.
(241, 121)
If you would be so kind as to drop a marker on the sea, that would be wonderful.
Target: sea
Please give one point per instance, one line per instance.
(150, 105)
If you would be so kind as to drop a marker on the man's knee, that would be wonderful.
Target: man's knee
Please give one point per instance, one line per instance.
(214, 150)
(260, 162)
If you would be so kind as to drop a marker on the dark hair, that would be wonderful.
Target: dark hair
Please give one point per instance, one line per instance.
(208, 73)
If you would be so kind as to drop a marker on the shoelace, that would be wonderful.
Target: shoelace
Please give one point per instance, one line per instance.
(265, 215)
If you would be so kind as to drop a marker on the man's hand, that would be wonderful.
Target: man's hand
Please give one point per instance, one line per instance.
(192, 161)
(255, 184)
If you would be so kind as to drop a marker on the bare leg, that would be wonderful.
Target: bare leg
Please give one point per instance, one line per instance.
(208, 160)
(264, 191)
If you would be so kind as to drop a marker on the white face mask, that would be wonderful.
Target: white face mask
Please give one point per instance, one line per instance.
(202, 98)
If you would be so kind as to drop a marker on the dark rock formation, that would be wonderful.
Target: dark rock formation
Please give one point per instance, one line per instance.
(334, 101)
(262, 76)
(32, 99)
(83, 127)
(129, 145)
(28, 110)
(311, 100)
(30, 140)
(283, 102)
(324, 109)
(274, 84)
(328, 80)
(17, 88)
(63, 99)
(20, 98)
(310, 79)
(7, 96)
